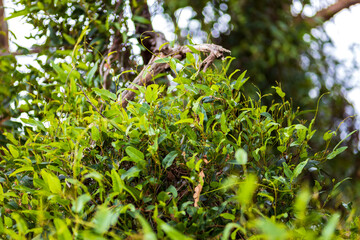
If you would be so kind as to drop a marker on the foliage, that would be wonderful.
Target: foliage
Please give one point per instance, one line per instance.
(275, 43)
(265, 37)
(9, 94)
(197, 160)
(202, 159)
(60, 26)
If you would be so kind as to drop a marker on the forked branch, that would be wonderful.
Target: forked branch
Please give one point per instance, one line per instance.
(154, 67)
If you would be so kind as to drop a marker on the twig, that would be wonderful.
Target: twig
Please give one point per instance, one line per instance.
(88, 100)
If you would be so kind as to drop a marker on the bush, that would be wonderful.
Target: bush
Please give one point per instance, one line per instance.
(197, 160)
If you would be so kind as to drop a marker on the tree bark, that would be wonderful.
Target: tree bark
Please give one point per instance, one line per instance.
(4, 33)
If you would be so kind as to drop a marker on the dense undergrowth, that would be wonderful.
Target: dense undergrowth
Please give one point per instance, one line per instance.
(199, 160)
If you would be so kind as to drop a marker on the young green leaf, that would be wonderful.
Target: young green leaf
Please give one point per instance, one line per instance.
(241, 156)
(228, 216)
(117, 182)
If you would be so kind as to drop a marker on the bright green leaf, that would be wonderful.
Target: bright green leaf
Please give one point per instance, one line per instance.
(241, 156)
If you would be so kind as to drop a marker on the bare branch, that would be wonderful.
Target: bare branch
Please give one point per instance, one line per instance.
(327, 13)
(153, 68)
(88, 100)
(22, 52)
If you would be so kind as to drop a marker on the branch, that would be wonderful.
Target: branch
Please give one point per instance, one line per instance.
(22, 52)
(88, 100)
(329, 12)
(140, 8)
(153, 68)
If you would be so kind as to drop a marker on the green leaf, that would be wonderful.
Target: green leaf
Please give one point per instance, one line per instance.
(240, 81)
(262, 194)
(95, 133)
(40, 5)
(336, 152)
(1, 195)
(328, 135)
(168, 160)
(11, 138)
(187, 120)
(140, 19)
(247, 189)
(135, 154)
(297, 171)
(132, 172)
(279, 92)
(329, 229)
(190, 58)
(287, 170)
(52, 181)
(223, 123)
(147, 230)
(171, 232)
(337, 145)
(271, 229)
(69, 39)
(194, 50)
(172, 64)
(162, 60)
(241, 156)
(302, 200)
(62, 230)
(20, 223)
(228, 216)
(79, 203)
(13, 150)
(281, 149)
(59, 71)
(34, 123)
(117, 182)
(22, 169)
(172, 190)
(105, 94)
(91, 73)
(103, 219)
(152, 92)
(228, 229)
(18, 13)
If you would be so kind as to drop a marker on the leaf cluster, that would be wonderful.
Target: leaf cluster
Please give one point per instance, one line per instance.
(196, 160)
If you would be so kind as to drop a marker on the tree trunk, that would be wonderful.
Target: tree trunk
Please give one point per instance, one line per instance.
(4, 33)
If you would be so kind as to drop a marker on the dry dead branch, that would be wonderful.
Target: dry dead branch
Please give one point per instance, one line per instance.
(154, 67)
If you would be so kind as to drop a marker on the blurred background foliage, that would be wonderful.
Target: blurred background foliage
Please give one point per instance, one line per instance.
(269, 39)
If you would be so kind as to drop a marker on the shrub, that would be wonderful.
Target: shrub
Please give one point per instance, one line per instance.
(199, 159)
